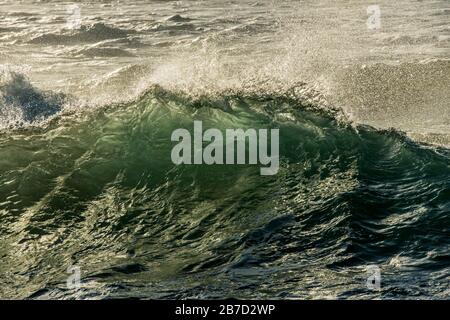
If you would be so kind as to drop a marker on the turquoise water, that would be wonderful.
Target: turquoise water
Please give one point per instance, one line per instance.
(100, 192)
(91, 92)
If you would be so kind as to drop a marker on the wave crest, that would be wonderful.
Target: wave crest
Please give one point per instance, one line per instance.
(21, 102)
(86, 33)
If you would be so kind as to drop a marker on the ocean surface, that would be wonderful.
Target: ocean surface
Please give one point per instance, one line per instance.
(91, 91)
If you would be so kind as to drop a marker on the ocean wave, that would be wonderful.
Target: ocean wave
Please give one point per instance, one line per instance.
(179, 27)
(21, 102)
(413, 40)
(87, 179)
(86, 33)
(101, 192)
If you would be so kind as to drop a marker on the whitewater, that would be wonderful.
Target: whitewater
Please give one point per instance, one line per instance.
(90, 94)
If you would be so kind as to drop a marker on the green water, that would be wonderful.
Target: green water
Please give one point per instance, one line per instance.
(99, 191)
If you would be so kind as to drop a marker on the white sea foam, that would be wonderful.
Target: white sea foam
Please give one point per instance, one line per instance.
(121, 49)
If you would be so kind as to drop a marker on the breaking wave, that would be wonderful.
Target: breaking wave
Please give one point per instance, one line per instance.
(98, 190)
(21, 103)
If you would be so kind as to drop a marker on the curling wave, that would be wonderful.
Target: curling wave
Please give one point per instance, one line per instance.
(99, 191)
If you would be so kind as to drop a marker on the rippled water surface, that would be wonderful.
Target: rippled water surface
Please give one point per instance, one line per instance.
(90, 93)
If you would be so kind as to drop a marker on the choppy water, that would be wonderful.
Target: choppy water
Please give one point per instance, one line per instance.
(87, 107)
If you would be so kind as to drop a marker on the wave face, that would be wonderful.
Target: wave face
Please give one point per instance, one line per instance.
(99, 191)
(90, 93)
